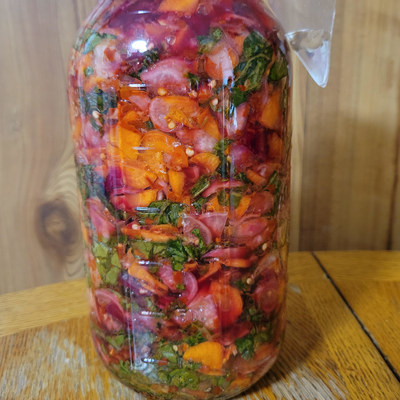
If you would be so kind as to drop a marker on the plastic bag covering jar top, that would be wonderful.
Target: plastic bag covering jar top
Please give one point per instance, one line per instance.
(181, 128)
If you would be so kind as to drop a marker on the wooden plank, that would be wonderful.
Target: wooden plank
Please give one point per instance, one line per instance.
(326, 355)
(370, 282)
(42, 306)
(40, 238)
(352, 135)
(298, 120)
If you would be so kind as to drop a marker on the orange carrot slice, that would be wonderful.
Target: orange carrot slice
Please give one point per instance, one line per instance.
(271, 116)
(208, 124)
(242, 208)
(209, 354)
(159, 141)
(148, 281)
(208, 161)
(275, 147)
(183, 6)
(177, 181)
(255, 178)
(155, 163)
(136, 176)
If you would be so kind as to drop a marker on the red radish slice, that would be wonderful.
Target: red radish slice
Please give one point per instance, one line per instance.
(169, 74)
(236, 331)
(160, 108)
(261, 203)
(254, 232)
(109, 311)
(102, 220)
(214, 268)
(171, 279)
(203, 142)
(114, 180)
(215, 222)
(242, 157)
(192, 173)
(141, 100)
(233, 252)
(229, 302)
(190, 223)
(216, 186)
(204, 309)
(251, 227)
(267, 295)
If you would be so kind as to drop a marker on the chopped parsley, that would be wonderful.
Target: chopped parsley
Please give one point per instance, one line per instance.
(256, 56)
(206, 43)
(162, 212)
(219, 151)
(90, 39)
(280, 68)
(248, 345)
(97, 100)
(201, 185)
(193, 80)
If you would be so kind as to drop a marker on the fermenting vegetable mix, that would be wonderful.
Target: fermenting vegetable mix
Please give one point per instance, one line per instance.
(181, 130)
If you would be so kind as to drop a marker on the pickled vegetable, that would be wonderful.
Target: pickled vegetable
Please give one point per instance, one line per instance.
(181, 132)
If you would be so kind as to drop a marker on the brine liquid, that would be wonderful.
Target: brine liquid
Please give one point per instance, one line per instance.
(181, 128)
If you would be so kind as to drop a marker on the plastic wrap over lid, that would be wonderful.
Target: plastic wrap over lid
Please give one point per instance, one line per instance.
(308, 26)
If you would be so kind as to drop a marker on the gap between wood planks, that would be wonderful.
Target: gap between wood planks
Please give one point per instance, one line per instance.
(364, 328)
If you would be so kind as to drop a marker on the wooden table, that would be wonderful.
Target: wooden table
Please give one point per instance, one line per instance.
(342, 338)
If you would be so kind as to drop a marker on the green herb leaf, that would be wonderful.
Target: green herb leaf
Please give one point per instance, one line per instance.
(112, 276)
(90, 39)
(116, 341)
(280, 69)
(115, 260)
(195, 339)
(149, 125)
(201, 185)
(245, 347)
(243, 177)
(238, 97)
(206, 43)
(275, 181)
(92, 185)
(184, 378)
(256, 56)
(162, 212)
(148, 249)
(100, 250)
(97, 100)
(177, 254)
(146, 60)
(199, 203)
(234, 199)
(219, 151)
(180, 286)
(194, 80)
(167, 352)
(88, 71)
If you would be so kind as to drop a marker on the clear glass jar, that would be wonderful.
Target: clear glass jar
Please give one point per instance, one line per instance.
(181, 121)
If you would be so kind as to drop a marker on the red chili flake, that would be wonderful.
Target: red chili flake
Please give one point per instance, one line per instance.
(172, 389)
(217, 390)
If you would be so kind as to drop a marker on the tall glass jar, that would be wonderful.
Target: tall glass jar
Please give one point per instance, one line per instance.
(181, 122)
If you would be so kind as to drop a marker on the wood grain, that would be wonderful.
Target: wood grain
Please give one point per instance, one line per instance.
(298, 118)
(40, 239)
(350, 198)
(326, 355)
(370, 282)
(42, 306)
(346, 140)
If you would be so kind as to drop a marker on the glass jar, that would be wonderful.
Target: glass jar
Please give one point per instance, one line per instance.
(181, 124)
